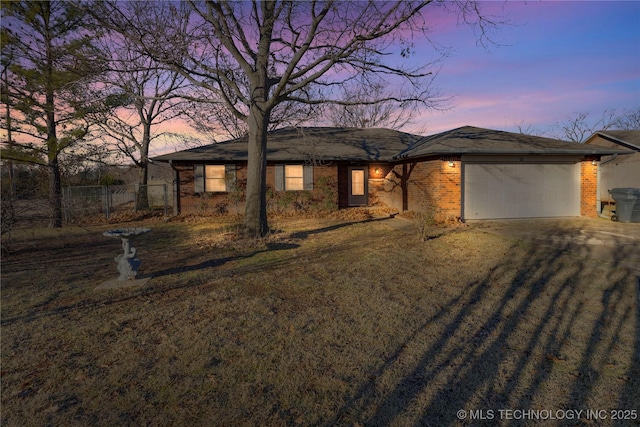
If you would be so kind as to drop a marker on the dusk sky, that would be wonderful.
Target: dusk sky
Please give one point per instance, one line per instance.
(551, 61)
(555, 59)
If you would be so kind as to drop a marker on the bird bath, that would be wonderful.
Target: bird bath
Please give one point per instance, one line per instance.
(128, 263)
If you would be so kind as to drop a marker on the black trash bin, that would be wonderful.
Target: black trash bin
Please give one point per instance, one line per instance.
(627, 204)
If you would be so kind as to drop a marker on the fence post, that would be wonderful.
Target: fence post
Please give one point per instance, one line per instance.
(166, 202)
(136, 190)
(67, 203)
(105, 200)
(175, 187)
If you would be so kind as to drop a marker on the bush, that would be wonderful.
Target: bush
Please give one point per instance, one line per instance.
(423, 221)
(8, 213)
(327, 194)
(110, 180)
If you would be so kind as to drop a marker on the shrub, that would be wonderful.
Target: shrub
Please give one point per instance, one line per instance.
(8, 213)
(203, 204)
(327, 194)
(110, 180)
(423, 221)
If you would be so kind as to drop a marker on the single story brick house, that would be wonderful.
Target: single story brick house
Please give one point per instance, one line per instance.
(466, 173)
(617, 170)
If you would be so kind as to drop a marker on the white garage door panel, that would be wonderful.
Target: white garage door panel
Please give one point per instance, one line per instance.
(521, 190)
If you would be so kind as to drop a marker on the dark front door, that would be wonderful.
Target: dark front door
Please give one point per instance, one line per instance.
(358, 188)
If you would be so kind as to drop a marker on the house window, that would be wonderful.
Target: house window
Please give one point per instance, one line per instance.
(294, 177)
(214, 178)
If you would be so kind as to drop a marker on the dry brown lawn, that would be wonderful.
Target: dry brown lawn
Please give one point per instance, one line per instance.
(325, 322)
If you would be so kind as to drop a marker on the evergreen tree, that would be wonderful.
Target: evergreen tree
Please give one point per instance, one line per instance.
(47, 58)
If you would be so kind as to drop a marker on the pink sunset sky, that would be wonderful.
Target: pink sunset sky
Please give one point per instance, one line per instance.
(553, 59)
(550, 61)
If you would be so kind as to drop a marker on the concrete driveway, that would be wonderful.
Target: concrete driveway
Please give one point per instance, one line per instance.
(601, 239)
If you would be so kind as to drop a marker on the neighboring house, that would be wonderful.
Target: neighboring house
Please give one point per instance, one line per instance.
(466, 173)
(617, 170)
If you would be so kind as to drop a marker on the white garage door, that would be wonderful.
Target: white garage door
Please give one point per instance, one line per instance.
(521, 190)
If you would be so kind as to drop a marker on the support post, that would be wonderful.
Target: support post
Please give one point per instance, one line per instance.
(166, 202)
(176, 190)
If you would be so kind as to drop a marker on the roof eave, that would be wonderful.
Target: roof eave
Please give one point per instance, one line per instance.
(514, 153)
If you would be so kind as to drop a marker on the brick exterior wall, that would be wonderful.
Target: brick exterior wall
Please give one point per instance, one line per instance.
(588, 188)
(436, 188)
(378, 173)
(192, 202)
(343, 186)
(430, 186)
(450, 191)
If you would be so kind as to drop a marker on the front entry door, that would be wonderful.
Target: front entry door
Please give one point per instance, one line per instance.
(358, 186)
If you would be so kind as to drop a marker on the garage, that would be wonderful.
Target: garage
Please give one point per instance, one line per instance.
(511, 190)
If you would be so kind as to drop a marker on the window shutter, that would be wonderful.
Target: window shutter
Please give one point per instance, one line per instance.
(198, 178)
(230, 177)
(279, 177)
(308, 177)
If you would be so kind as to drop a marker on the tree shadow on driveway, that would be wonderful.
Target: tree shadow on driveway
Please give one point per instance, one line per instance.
(535, 333)
(612, 242)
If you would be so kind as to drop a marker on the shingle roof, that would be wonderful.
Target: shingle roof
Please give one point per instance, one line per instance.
(473, 140)
(302, 144)
(626, 138)
(352, 144)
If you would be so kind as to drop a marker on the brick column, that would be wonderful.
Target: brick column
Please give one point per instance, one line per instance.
(588, 188)
(449, 197)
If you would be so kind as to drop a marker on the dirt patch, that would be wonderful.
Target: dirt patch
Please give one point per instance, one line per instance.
(325, 322)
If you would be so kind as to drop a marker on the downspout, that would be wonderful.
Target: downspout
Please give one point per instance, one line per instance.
(615, 156)
(599, 199)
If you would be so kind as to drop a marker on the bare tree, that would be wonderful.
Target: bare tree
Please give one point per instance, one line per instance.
(252, 57)
(141, 92)
(526, 128)
(629, 120)
(215, 121)
(367, 114)
(50, 51)
(578, 127)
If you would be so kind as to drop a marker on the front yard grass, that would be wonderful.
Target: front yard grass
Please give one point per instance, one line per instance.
(322, 323)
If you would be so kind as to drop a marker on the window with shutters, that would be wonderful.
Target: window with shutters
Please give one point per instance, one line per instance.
(294, 177)
(214, 178)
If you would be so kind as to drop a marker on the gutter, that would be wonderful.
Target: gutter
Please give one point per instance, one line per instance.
(507, 152)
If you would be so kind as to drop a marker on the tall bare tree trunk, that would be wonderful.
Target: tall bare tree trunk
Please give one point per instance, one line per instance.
(255, 216)
(142, 201)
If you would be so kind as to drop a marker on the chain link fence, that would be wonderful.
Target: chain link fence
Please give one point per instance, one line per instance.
(29, 207)
(86, 201)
